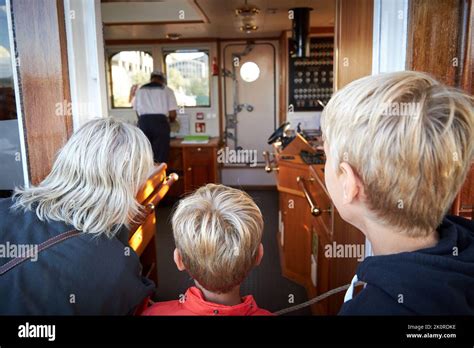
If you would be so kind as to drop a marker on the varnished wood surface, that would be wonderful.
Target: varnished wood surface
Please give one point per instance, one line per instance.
(464, 203)
(467, 196)
(440, 42)
(296, 247)
(467, 81)
(432, 42)
(354, 22)
(195, 163)
(299, 225)
(200, 167)
(41, 45)
(142, 232)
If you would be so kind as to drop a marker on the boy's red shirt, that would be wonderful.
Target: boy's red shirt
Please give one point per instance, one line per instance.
(194, 304)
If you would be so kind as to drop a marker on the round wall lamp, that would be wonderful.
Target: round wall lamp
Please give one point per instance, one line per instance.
(249, 72)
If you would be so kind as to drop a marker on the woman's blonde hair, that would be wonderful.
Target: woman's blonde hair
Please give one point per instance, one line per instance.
(411, 141)
(94, 179)
(217, 231)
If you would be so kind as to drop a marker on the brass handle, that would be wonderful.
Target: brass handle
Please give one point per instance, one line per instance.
(315, 210)
(189, 169)
(162, 191)
(171, 179)
(268, 165)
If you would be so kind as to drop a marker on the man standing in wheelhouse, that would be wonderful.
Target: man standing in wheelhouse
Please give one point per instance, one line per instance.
(155, 104)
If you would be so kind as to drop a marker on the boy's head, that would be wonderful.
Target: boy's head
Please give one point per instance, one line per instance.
(399, 146)
(218, 232)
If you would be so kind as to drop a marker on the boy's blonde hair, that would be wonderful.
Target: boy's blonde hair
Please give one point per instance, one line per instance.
(217, 231)
(410, 140)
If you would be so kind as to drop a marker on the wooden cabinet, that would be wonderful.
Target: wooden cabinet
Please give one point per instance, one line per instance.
(310, 231)
(196, 164)
(333, 234)
(295, 238)
(199, 165)
(295, 226)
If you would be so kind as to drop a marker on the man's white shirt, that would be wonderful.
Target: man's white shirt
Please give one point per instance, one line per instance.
(152, 99)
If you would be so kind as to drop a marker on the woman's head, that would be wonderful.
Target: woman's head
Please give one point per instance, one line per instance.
(95, 178)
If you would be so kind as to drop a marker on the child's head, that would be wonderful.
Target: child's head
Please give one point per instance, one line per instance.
(218, 232)
(399, 146)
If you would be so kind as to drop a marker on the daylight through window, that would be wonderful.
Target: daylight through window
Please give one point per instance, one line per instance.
(188, 76)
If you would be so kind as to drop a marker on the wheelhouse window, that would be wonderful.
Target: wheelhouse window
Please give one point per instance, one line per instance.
(128, 71)
(187, 73)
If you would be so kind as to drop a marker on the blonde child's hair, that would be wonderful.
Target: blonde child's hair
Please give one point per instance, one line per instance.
(410, 140)
(217, 231)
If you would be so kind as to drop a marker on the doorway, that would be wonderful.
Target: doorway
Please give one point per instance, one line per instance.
(250, 110)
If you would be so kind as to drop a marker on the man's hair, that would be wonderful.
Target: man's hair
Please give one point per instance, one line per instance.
(217, 231)
(94, 179)
(410, 140)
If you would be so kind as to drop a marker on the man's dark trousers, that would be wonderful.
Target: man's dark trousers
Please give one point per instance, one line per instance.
(157, 129)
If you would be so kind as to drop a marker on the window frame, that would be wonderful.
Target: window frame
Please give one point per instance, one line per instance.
(111, 54)
(207, 51)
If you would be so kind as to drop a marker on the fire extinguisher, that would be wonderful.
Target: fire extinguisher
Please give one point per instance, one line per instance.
(215, 67)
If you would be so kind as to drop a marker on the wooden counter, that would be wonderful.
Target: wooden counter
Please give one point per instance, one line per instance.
(196, 164)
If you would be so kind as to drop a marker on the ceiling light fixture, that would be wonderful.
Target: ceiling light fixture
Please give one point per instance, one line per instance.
(249, 28)
(173, 36)
(247, 13)
(247, 10)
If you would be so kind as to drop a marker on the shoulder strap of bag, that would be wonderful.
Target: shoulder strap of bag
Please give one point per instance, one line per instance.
(317, 298)
(43, 246)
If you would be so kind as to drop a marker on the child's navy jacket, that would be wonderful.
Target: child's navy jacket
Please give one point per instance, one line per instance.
(434, 281)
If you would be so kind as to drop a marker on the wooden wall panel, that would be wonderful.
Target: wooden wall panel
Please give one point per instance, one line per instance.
(354, 35)
(464, 202)
(40, 40)
(467, 79)
(432, 43)
(440, 42)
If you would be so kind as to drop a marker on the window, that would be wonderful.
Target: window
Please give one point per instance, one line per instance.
(129, 70)
(7, 93)
(11, 160)
(188, 76)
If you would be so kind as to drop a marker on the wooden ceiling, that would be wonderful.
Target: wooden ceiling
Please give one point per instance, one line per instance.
(138, 20)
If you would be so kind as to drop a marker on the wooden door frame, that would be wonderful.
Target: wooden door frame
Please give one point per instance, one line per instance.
(43, 79)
